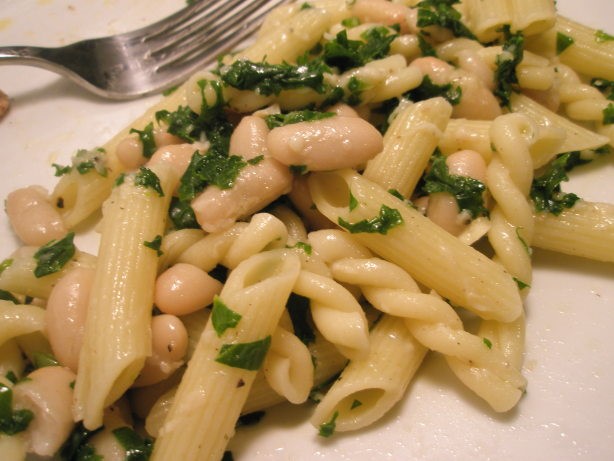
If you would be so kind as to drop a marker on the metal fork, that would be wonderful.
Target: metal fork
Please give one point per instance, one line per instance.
(155, 57)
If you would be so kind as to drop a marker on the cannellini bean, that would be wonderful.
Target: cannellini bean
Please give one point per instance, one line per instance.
(467, 163)
(184, 288)
(33, 218)
(302, 201)
(66, 314)
(169, 339)
(440, 72)
(472, 62)
(382, 12)
(48, 394)
(105, 443)
(256, 186)
(129, 152)
(477, 102)
(176, 155)
(326, 144)
(249, 138)
(443, 210)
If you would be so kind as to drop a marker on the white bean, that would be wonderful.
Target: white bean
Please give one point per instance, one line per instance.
(169, 339)
(184, 288)
(176, 155)
(302, 201)
(66, 314)
(33, 218)
(326, 144)
(48, 394)
(249, 138)
(467, 163)
(129, 152)
(382, 12)
(440, 72)
(443, 210)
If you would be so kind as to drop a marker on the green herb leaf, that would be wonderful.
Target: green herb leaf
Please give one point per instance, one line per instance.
(526, 247)
(355, 404)
(506, 63)
(155, 244)
(147, 138)
(12, 421)
(546, 189)
(304, 247)
(182, 215)
(487, 342)
(86, 160)
(222, 317)
(8, 296)
(426, 49)
(468, 192)
(5, 264)
(52, 256)
(44, 359)
(345, 54)
(299, 169)
(563, 42)
(248, 356)
(353, 202)
(602, 37)
(137, 448)
(386, 220)
(256, 160)
(428, 89)
(268, 79)
(61, 170)
(521, 285)
(605, 86)
(328, 428)
(76, 448)
(441, 13)
(350, 22)
(608, 114)
(277, 120)
(147, 178)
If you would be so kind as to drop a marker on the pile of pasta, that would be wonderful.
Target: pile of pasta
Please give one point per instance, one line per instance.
(362, 184)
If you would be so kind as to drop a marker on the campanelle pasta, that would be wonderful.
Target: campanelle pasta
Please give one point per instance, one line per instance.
(359, 187)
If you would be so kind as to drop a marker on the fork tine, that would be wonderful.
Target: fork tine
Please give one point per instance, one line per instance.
(182, 32)
(204, 42)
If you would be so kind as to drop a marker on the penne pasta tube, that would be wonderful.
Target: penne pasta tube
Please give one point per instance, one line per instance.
(117, 336)
(419, 246)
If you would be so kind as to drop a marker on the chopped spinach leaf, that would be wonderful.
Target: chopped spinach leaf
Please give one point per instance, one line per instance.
(605, 86)
(526, 247)
(306, 6)
(222, 317)
(137, 448)
(155, 244)
(5, 264)
(428, 89)
(521, 285)
(350, 22)
(546, 189)
(182, 215)
(44, 359)
(256, 160)
(487, 342)
(608, 114)
(563, 42)
(304, 247)
(441, 13)
(602, 37)
(76, 448)
(268, 79)
(468, 192)
(277, 120)
(506, 63)
(147, 178)
(61, 170)
(86, 160)
(345, 54)
(355, 404)
(8, 296)
(299, 169)
(328, 428)
(353, 202)
(52, 256)
(248, 356)
(386, 220)
(147, 138)
(426, 49)
(12, 421)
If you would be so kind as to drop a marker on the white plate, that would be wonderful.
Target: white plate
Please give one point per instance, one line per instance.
(568, 411)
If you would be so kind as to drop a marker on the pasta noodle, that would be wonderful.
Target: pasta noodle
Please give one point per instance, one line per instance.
(355, 193)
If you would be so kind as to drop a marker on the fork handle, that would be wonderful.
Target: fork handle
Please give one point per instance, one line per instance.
(26, 55)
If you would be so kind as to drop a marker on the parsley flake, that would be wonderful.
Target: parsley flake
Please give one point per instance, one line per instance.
(12, 421)
(386, 220)
(563, 42)
(427, 89)
(222, 317)
(147, 178)
(247, 356)
(546, 189)
(147, 138)
(54, 255)
(155, 244)
(506, 63)
(277, 120)
(602, 37)
(441, 13)
(137, 448)
(608, 114)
